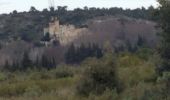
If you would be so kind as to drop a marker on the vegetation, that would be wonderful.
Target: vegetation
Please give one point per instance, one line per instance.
(91, 72)
(112, 77)
(165, 25)
(78, 54)
(22, 24)
(99, 76)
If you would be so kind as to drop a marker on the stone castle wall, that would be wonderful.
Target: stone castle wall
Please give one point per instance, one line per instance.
(69, 33)
(64, 33)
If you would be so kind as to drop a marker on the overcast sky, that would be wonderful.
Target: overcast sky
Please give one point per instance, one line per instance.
(7, 6)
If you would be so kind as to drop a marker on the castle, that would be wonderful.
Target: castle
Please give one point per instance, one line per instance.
(65, 34)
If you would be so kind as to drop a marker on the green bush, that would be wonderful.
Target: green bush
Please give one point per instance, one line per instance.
(132, 70)
(145, 53)
(63, 72)
(107, 95)
(40, 75)
(164, 81)
(33, 91)
(15, 89)
(99, 76)
(2, 77)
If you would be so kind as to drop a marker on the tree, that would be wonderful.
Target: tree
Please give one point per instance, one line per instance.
(44, 61)
(15, 66)
(78, 54)
(33, 9)
(48, 63)
(15, 12)
(7, 65)
(140, 41)
(164, 13)
(98, 77)
(26, 62)
(70, 54)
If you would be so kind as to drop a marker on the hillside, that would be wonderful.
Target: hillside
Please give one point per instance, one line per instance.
(120, 30)
(29, 25)
(100, 26)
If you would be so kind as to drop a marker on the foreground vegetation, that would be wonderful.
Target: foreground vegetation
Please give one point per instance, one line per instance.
(123, 76)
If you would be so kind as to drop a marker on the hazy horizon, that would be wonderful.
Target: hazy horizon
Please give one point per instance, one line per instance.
(7, 6)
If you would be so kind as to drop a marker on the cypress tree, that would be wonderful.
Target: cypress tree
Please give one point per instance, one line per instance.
(26, 62)
(70, 55)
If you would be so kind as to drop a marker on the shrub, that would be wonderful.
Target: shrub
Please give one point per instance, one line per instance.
(164, 80)
(2, 77)
(33, 91)
(107, 95)
(15, 89)
(63, 72)
(98, 76)
(145, 53)
(133, 70)
(40, 75)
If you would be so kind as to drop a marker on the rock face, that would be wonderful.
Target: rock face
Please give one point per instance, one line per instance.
(64, 33)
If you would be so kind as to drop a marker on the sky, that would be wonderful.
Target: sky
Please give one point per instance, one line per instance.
(7, 6)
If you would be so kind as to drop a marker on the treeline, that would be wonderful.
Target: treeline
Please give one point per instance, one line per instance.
(78, 54)
(80, 15)
(26, 63)
(73, 55)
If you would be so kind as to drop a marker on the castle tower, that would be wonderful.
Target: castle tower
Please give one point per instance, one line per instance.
(54, 27)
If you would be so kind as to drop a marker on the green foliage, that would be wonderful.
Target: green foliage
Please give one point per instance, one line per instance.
(32, 31)
(129, 77)
(128, 60)
(46, 62)
(145, 53)
(107, 95)
(165, 82)
(63, 72)
(2, 77)
(33, 91)
(26, 62)
(165, 77)
(132, 70)
(78, 54)
(33, 87)
(99, 76)
(141, 41)
(164, 12)
(40, 75)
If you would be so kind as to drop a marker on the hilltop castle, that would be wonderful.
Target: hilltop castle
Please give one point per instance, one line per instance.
(65, 34)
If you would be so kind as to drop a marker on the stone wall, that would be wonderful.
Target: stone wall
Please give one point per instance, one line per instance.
(64, 33)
